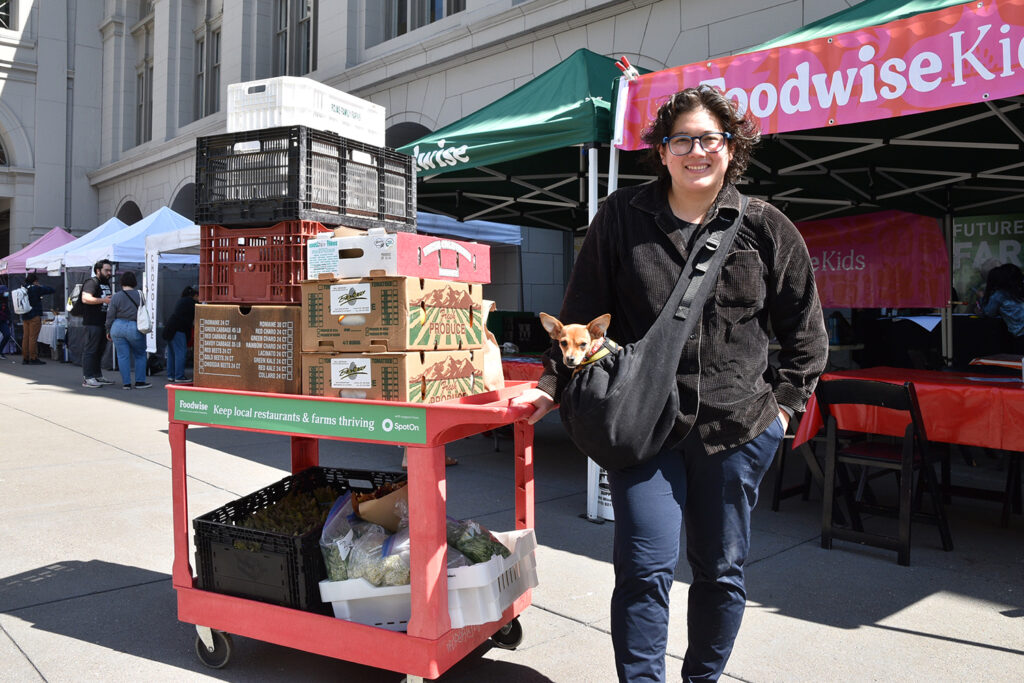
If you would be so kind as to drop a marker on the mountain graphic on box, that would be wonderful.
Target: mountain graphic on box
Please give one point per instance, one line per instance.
(447, 297)
(449, 368)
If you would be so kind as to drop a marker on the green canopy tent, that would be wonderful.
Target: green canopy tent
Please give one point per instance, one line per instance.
(529, 158)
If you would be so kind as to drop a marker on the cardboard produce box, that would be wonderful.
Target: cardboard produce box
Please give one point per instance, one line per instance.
(413, 377)
(252, 348)
(353, 253)
(390, 314)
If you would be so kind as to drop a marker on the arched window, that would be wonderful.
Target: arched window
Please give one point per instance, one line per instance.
(403, 133)
(185, 201)
(129, 213)
(3, 155)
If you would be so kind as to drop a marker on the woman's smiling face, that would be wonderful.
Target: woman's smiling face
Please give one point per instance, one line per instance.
(697, 175)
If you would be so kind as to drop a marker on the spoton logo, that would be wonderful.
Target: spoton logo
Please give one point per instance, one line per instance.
(389, 425)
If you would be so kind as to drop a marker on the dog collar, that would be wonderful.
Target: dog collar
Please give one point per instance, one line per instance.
(607, 347)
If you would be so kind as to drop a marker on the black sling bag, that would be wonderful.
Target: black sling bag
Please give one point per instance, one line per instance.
(621, 409)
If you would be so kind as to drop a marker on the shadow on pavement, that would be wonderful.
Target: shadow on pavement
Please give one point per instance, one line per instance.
(134, 611)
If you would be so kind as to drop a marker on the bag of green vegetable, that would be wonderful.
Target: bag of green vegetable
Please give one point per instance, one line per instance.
(381, 559)
(341, 530)
(474, 541)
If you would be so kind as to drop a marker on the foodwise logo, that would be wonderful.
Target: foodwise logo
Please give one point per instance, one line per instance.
(440, 157)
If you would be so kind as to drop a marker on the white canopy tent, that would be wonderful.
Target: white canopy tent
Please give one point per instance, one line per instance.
(162, 247)
(129, 245)
(53, 260)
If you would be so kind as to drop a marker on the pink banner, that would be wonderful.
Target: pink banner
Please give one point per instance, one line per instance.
(954, 56)
(889, 259)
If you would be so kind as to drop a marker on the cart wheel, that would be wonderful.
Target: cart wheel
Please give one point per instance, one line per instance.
(221, 653)
(509, 636)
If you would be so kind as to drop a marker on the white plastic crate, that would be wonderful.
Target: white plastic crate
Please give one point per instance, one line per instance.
(477, 594)
(297, 101)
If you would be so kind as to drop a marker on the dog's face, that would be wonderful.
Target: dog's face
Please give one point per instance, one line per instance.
(576, 341)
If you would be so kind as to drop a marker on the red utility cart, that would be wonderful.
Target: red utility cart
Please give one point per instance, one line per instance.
(430, 646)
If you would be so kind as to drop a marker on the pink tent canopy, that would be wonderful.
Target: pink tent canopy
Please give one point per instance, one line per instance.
(15, 263)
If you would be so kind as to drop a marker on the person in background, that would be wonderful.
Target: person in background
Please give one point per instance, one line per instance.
(95, 300)
(129, 343)
(33, 320)
(177, 327)
(1004, 298)
(733, 412)
(6, 336)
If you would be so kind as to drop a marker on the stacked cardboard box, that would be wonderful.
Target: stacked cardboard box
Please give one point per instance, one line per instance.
(292, 304)
(258, 204)
(394, 317)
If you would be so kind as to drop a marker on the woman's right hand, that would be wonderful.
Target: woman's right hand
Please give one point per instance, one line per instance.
(540, 400)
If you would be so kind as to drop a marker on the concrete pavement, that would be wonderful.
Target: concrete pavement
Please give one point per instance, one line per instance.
(85, 533)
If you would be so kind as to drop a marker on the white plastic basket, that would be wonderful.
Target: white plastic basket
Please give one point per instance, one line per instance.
(296, 101)
(477, 594)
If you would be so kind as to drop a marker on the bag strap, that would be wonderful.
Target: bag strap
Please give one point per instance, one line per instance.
(142, 301)
(716, 247)
(705, 260)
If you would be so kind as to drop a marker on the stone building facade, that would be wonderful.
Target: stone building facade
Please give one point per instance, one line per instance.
(101, 100)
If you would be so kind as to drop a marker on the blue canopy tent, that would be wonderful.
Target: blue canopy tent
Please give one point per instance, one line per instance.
(476, 231)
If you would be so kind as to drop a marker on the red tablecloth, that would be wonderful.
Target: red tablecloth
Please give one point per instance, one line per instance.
(522, 368)
(955, 408)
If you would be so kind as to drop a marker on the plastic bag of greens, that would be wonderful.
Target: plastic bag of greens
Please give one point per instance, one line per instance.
(474, 541)
(456, 559)
(381, 558)
(341, 530)
(337, 526)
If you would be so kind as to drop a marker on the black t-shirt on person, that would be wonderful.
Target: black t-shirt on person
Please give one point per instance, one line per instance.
(685, 231)
(95, 314)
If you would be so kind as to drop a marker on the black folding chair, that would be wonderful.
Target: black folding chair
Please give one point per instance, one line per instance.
(877, 455)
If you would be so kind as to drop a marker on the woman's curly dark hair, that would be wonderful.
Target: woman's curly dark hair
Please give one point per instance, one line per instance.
(1007, 278)
(743, 127)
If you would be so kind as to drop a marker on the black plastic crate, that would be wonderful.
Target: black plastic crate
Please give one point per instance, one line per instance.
(263, 177)
(285, 570)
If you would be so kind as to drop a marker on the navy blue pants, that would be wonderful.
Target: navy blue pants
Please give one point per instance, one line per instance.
(715, 495)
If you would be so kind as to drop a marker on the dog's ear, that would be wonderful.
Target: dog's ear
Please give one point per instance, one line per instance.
(599, 325)
(551, 324)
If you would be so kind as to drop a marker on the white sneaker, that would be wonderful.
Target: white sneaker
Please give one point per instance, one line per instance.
(103, 380)
(91, 383)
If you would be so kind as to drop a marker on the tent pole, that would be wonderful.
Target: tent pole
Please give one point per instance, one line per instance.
(592, 173)
(593, 469)
(613, 169)
(947, 311)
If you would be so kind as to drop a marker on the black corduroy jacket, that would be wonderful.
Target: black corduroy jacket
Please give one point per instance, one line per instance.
(628, 265)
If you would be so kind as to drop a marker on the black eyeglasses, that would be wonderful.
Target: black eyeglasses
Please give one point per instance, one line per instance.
(681, 144)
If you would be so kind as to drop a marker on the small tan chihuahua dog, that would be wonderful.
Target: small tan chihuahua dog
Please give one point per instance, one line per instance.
(578, 342)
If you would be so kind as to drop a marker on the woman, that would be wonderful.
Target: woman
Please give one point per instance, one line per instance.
(1004, 297)
(129, 343)
(734, 410)
(176, 331)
